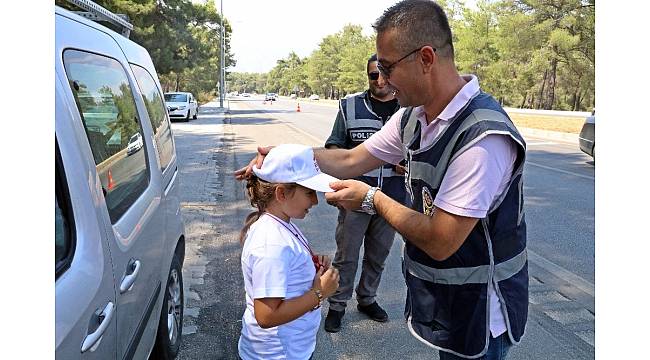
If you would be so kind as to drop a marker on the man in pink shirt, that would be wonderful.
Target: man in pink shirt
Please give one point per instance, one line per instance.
(465, 261)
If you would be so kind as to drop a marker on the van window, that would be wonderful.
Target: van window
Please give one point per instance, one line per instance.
(63, 221)
(157, 114)
(61, 234)
(105, 101)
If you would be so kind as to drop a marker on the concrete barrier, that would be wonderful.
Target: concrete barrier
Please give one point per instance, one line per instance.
(581, 114)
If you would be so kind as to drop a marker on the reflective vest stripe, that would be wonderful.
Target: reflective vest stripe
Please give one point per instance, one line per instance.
(409, 130)
(350, 111)
(365, 123)
(385, 172)
(466, 275)
(421, 170)
(430, 174)
(372, 173)
(374, 125)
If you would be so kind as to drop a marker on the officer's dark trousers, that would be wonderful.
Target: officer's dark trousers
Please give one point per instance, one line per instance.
(353, 229)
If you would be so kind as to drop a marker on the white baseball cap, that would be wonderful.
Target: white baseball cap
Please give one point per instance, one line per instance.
(293, 163)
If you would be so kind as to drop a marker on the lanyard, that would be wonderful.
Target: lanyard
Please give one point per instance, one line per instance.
(293, 231)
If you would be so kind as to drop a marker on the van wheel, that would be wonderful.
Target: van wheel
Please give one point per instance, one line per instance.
(196, 114)
(170, 326)
(187, 118)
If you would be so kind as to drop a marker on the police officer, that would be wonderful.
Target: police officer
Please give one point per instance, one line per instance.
(465, 262)
(361, 115)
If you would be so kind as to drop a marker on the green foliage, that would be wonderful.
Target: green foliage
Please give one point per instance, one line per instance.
(353, 59)
(527, 53)
(545, 52)
(183, 39)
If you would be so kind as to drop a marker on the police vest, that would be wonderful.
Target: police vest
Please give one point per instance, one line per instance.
(447, 301)
(360, 123)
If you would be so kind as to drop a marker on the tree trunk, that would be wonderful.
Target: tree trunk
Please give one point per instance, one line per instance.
(523, 102)
(576, 95)
(178, 80)
(541, 91)
(578, 104)
(531, 102)
(550, 98)
(574, 98)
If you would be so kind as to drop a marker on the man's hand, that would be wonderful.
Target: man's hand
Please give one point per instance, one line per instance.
(245, 172)
(400, 170)
(333, 203)
(348, 193)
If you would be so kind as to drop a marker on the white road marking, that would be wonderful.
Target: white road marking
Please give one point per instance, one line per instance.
(540, 143)
(297, 129)
(560, 170)
(562, 273)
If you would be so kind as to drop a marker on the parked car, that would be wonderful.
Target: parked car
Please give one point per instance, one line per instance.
(135, 144)
(587, 137)
(181, 105)
(293, 96)
(270, 97)
(246, 95)
(314, 97)
(119, 236)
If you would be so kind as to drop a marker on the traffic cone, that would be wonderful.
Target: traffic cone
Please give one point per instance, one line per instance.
(110, 180)
(298, 109)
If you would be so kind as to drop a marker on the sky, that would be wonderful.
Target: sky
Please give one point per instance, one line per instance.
(266, 31)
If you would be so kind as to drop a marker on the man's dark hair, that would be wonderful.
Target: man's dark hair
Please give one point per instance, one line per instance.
(418, 23)
(372, 58)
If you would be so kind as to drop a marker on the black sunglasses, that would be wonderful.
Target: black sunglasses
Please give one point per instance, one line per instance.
(373, 75)
(386, 70)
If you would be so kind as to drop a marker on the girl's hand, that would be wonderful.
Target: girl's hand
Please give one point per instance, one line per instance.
(326, 281)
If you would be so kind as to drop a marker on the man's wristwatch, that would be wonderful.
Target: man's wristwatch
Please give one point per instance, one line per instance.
(319, 296)
(368, 203)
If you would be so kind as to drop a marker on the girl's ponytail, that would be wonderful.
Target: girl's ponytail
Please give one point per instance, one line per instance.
(260, 193)
(250, 219)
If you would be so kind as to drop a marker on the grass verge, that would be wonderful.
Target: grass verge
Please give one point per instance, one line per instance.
(564, 124)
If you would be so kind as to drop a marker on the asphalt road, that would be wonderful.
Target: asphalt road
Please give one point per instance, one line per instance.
(559, 185)
(559, 190)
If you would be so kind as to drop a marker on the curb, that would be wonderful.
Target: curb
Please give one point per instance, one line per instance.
(550, 135)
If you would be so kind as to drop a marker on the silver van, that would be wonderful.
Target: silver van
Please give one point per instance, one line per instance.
(119, 239)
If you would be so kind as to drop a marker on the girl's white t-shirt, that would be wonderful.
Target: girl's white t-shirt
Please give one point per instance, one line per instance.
(276, 264)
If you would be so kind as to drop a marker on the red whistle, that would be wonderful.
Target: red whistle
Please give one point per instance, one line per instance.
(317, 263)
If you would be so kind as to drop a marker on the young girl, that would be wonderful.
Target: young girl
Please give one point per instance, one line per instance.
(285, 281)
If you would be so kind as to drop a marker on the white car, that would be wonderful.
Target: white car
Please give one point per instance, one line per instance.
(135, 144)
(313, 97)
(181, 105)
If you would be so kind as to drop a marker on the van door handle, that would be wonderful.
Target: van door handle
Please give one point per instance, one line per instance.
(92, 340)
(131, 273)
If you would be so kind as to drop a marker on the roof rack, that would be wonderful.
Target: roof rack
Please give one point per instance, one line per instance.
(97, 13)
